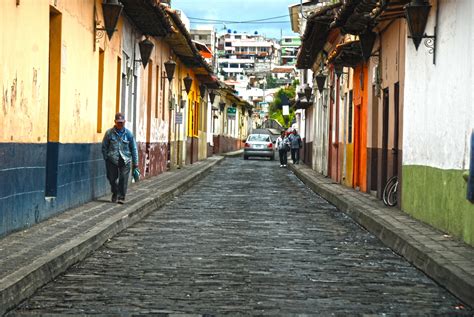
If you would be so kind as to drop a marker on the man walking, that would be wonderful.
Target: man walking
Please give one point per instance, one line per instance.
(295, 145)
(119, 150)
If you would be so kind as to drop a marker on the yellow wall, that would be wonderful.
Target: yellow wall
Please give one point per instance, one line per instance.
(79, 74)
(24, 71)
(349, 164)
(25, 67)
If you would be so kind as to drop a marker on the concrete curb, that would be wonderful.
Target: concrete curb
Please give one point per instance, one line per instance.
(445, 273)
(22, 283)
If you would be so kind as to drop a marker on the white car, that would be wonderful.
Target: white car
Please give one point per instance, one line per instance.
(259, 145)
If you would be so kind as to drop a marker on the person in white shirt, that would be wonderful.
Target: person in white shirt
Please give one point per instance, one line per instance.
(283, 145)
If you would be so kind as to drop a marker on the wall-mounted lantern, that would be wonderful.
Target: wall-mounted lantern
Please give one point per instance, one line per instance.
(417, 12)
(300, 94)
(308, 92)
(212, 96)
(221, 106)
(188, 81)
(320, 81)
(202, 90)
(170, 66)
(146, 47)
(111, 10)
(367, 41)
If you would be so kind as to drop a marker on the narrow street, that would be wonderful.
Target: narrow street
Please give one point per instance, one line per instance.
(248, 239)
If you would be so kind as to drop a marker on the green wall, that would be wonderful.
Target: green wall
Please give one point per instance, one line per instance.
(438, 197)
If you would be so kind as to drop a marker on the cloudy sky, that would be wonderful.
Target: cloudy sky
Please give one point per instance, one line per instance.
(237, 11)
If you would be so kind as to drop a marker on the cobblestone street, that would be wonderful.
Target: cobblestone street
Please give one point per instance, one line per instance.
(248, 239)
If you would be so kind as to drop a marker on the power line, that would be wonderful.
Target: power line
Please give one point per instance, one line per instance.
(231, 21)
(249, 23)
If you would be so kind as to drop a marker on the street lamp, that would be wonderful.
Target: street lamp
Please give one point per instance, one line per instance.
(111, 11)
(367, 41)
(307, 92)
(170, 67)
(202, 90)
(221, 106)
(417, 13)
(301, 94)
(320, 80)
(146, 47)
(212, 96)
(188, 81)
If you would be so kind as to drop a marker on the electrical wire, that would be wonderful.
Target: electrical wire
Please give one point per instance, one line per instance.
(250, 23)
(247, 21)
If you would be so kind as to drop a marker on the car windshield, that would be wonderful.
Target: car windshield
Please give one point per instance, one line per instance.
(259, 138)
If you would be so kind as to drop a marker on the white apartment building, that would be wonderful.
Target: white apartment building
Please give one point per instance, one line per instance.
(239, 53)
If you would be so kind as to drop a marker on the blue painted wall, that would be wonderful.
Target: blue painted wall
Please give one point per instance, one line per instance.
(81, 178)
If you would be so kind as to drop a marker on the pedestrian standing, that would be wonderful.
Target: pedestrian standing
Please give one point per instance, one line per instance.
(283, 145)
(119, 150)
(295, 145)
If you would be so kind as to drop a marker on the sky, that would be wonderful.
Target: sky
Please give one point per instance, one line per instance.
(240, 10)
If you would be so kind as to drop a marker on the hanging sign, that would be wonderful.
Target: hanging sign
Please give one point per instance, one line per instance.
(231, 112)
(179, 118)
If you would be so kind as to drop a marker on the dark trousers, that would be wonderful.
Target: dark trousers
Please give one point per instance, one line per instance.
(118, 177)
(295, 156)
(283, 158)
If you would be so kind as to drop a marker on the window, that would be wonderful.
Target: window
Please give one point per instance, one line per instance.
(238, 37)
(228, 44)
(259, 138)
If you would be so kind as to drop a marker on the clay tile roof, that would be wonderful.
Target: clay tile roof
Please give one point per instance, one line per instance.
(358, 16)
(148, 16)
(348, 54)
(315, 35)
(286, 70)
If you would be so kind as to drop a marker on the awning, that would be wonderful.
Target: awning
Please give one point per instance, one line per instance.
(315, 35)
(359, 16)
(182, 44)
(148, 16)
(348, 54)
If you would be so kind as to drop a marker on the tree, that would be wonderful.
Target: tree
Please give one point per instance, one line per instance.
(275, 110)
(271, 82)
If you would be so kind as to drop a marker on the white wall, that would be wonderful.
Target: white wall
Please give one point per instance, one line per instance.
(439, 99)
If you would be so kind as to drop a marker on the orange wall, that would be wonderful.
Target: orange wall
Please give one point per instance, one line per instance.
(361, 90)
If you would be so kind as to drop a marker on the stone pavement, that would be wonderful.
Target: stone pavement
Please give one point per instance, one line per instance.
(33, 257)
(447, 261)
(249, 239)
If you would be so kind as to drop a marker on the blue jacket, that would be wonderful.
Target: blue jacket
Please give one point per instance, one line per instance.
(295, 141)
(115, 146)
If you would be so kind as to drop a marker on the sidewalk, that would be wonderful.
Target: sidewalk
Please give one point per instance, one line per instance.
(447, 261)
(33, 257)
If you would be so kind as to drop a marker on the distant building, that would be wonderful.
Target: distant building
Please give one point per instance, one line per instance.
(284, 75)
(289, 49)
(241, 54)
(206, 36)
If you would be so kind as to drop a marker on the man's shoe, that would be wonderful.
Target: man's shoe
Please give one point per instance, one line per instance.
(114, 198)
(121, 200)
(281, 165)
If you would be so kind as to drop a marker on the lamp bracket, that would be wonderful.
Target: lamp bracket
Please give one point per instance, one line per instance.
(430, 44)
(99, 31)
